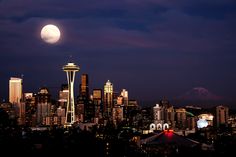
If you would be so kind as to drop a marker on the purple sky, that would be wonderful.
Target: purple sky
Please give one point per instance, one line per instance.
(153, 48)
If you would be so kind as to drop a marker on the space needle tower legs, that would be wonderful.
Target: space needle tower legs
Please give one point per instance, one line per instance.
(70, 70)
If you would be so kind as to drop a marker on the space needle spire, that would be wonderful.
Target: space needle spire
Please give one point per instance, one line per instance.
(70, 70)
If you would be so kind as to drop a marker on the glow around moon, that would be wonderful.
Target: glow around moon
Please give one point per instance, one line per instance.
(50, 34)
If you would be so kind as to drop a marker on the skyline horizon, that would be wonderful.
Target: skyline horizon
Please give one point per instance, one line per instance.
(178, 100)
(153, 48)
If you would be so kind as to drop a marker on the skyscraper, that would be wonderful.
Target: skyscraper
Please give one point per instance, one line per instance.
(157, 114)
(168, 112)
(63, 95)
(30, 109)
(70, 70)
(120, 100)
(43, 105)
(97, 101)
(15, 90)
(222, 115)
(108, 98)
(124, 93)
(84, 89)
(181, 118)
(117, 114)
(84, 102)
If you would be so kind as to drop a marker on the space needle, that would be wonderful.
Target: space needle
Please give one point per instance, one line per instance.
(70, 70)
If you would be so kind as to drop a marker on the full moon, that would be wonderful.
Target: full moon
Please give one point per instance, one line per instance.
(50, 34)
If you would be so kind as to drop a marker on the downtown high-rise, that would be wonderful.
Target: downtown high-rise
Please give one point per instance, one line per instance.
(15, 90)
(108, 98)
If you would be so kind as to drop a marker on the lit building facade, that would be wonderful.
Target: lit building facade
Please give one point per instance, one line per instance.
(120, 100)
(181, 118)
(21, 113)
(124, 94)
(117, 114)
(85, 101)
(115, 95)
(168, 113)
(191, 122)
(97, 101)
(164, 113)
(43, 106)
(108, 98)
(30, 109)
(157, 114)
(84, 88)
(63, 95)
(61, 112)
(15, 90)
(80, 112)
(222, 115)
(61, 115)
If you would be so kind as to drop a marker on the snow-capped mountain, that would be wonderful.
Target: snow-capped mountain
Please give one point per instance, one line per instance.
(199, 94)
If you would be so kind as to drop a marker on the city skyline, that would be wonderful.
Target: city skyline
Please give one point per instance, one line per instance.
(154, 49)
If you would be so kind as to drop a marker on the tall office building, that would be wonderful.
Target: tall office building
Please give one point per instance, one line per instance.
(84, 89)
(222, 115)
(43, 106)
(124, 94)
(157, 114)
(120, 100)
(191, 122)
(168, 112)
(63, 95)
(70, 70)
(97, 101)
(115, 96)
(84, 100)
(30, 109)
(181, 118)
(15, 90)
(117, 114)
(21, 113)
(61, 114)
(80, 111)
(108, 98)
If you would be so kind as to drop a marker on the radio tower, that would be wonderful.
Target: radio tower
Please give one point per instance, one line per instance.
(70, 70)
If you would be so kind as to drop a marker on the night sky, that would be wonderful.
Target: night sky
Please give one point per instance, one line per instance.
(153, 48)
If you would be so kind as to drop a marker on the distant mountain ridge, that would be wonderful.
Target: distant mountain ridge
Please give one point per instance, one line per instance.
(199, 94)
